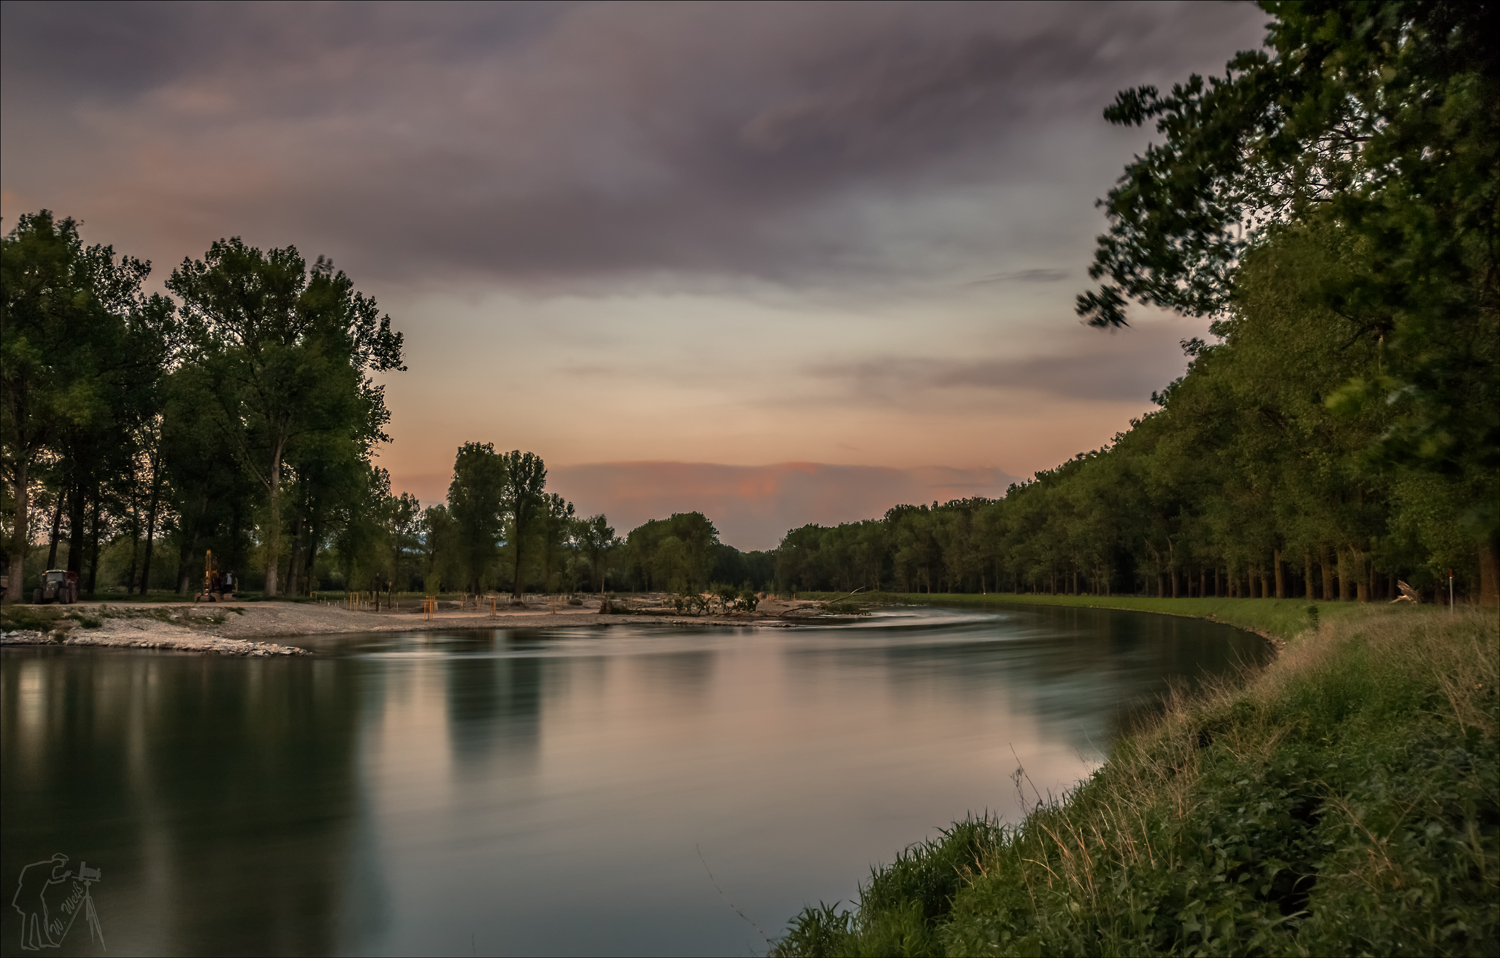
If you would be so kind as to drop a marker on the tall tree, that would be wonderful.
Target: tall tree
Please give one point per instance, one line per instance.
(80, 351)
(526, 481)
(291, 350)
(476, 504)
(1380, 121)
(596, 539)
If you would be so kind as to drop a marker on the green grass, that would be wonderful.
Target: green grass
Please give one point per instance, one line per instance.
(50, 619)
(1345, 800)
(1282, 618)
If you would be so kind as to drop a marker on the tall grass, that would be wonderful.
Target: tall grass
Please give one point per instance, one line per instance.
(1344, 800)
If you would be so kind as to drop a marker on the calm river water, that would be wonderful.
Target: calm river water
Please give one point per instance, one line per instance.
(566, 792)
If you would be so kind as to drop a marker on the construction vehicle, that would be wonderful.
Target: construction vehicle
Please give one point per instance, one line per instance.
(217, 586)
(58, 585)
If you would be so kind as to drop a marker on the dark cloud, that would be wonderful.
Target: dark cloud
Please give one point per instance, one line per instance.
(803, 144)
(1128, 365)
(1025, 276)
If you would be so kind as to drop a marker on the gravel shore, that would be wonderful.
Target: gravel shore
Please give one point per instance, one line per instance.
(242, 629)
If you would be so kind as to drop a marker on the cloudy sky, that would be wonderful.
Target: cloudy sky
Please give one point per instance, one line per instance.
(785, 263)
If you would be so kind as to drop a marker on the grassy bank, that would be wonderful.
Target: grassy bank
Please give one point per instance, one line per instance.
(1345, 800)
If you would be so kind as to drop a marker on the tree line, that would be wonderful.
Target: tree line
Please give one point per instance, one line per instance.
(501, 530)
(1333, 204)
(238, 411)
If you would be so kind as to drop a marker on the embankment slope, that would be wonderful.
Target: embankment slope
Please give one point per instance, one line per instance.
(1344, 800)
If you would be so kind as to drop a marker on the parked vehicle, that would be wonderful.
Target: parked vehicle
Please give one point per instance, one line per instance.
(58, 585)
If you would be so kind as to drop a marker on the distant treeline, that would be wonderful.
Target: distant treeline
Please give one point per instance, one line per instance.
(1254, 478)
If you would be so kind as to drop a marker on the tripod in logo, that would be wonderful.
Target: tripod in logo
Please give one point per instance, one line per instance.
(50, 896)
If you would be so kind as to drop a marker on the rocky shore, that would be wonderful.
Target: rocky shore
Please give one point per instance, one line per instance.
(243, 629)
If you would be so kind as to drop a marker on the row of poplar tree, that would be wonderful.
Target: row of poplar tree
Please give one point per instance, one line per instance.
(1332, 203)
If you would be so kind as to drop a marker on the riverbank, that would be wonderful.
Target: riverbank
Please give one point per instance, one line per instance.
(1341, 801)
(244, 629)
(1276, 620)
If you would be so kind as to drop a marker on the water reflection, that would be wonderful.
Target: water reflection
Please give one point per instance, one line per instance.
(216, 794)
(508, 792)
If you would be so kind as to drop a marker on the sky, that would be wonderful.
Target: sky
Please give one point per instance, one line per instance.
(780, 263)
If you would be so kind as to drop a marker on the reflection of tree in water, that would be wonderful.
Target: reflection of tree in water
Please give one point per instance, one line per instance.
(494, 707)
(217, 794)
(682, 677)
(1084, 674)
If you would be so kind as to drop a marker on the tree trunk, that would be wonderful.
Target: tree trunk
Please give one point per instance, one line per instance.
(1217, 592)
(1280, 574)
(135, 538)
(94, 548)
(56, 528)
(1346, 576)
(314, 536)
(1307, 576)
(21, 538)
(294, 566)
(151, 527)
(75, 528)
(184, 564)
(1326, 567)
(273, 527)
(515, 582)
(1489, 573)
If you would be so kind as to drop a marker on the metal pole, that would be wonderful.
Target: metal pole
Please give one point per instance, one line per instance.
(1450, 591)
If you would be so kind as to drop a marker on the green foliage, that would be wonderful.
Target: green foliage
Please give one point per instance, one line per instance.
(286, 352)
(673, 555)
(1368, 136)
(524, 503)
(597, 545)
(1342, 802)
(476, 503)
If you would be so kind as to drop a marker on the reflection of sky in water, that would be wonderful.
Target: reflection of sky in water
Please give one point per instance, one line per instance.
(552, 792)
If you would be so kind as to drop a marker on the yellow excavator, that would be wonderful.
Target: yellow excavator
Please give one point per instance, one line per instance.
(217, 586)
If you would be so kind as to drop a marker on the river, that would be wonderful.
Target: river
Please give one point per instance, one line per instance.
(623, 791)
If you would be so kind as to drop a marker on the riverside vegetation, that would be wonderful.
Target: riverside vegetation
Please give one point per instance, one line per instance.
(1346, 800)
(1333, 203)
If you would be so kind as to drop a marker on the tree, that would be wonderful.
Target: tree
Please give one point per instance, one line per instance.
(556, 524)
(1379, 122)
(597, 541)
(477, 503)
(526, 478)
(81, 350)
(290, 350)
